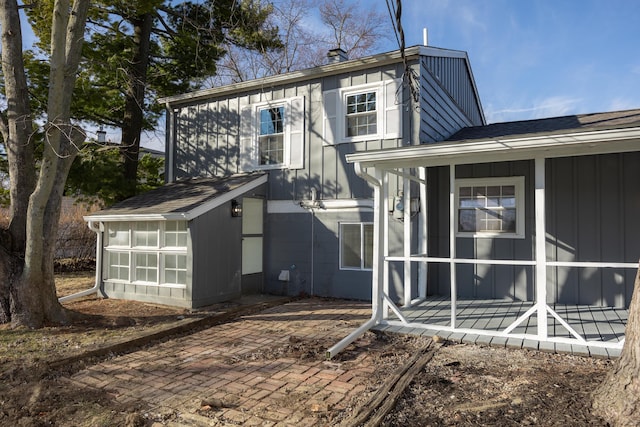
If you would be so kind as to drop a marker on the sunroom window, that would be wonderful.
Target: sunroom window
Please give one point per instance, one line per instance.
(155, 255)
(490, 207)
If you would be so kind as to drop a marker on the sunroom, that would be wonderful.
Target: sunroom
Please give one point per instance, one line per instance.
(523, 239)
(189, 243)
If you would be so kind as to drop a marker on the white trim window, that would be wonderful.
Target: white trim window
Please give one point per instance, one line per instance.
(356, 246)
(490, 207)
(272, 135)
(151, 253)
(363, 113)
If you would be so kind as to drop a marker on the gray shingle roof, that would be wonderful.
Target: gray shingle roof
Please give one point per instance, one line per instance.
(553, 125)
(178, 197)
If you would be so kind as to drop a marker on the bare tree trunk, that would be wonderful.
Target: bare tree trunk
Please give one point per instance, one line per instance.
(617, 400)
(16, 127)
(29, 291)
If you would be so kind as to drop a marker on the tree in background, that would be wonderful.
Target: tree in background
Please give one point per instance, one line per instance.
(139, 50)
(348, 25)
(27, 288)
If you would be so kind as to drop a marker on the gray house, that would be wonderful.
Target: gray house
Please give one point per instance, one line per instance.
(379, 179)
(307, 228)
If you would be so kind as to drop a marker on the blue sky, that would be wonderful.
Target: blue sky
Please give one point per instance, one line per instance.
(537, 58)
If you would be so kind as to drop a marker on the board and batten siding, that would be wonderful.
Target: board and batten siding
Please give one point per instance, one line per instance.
(216, 251)
(593, 211)
(480, 281)
(441, 115)
(453, 75)
(207, 139)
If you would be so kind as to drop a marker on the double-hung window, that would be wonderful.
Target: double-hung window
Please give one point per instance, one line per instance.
(356, 246)
(362, 114)
(490, 207)
(271, 136)
(366, 112)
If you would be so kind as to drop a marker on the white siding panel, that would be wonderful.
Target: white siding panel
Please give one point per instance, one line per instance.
(330, 106)
(296, 142)
(248, 156)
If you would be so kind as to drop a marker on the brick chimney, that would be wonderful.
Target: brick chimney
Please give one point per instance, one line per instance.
(337, 55)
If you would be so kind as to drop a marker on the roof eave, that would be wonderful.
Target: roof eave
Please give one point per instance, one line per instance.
(311, 73)
(483, 151)
(202, 208)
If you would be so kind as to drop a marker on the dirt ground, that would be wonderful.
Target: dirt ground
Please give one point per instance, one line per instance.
(461, 385)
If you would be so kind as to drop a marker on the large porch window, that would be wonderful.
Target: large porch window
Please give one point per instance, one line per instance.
(152, 253)
(490, 207)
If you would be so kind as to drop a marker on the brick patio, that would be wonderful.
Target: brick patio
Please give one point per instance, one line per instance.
(255, 367)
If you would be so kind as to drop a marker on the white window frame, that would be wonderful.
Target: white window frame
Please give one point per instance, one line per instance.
(293, 134)
(286, 132)
(362, 246)
(159, 251)
(344, 117)
(517, 182)
(388, 112)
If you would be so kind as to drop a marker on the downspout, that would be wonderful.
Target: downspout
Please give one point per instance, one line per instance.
(98, 228)
(376, 303)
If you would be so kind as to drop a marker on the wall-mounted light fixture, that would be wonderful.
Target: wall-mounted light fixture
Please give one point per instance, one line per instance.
(102, 135)
(236, 208)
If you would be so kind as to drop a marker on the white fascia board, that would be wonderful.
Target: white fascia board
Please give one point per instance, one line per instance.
(184, 216)
(226, 197)
(134, 217)
(562, 145)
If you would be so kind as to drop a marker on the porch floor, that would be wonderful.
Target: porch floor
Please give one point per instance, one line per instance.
(592, 323)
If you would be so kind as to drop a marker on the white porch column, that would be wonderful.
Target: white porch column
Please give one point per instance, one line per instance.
(379, 213)
(541, 253)
(423, 233)
(452, 241)
(384, 243)
(406, 185)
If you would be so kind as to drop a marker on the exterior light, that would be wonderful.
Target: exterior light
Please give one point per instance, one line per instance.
(236, 209)
(102, 135)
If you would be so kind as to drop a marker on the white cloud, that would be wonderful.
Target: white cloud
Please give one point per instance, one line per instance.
(620, 103)
(553, 106)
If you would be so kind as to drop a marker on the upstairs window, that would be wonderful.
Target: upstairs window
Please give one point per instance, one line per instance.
(490, 207)
(362, 115)
(272, 135)
(271, 138)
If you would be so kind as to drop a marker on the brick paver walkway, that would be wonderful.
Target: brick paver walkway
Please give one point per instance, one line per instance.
(264, 369)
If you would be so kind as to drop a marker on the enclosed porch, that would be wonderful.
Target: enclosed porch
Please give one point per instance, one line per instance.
(532, 301)
(485, 322)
